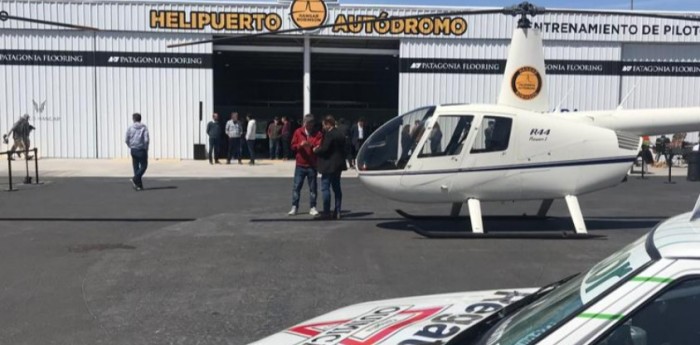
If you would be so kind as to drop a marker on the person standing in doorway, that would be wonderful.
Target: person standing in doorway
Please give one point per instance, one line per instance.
(250, 137)
(304, 140)
(274, 133)
(214, 133)
(286, 137)
(331, 163)
(234, 132)
(137, 139)
(359, 133)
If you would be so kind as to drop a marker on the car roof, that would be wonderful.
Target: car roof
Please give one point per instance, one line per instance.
(678, 237)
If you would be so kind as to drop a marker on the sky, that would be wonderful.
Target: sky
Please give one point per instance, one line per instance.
(667, 5)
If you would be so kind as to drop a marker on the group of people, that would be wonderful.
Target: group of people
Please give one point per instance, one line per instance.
(238, 138)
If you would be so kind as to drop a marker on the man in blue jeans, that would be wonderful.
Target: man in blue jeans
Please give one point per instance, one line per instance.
(303, 142)
(137, 139)
(331, 163)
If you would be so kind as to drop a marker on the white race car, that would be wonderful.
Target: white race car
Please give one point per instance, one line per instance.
(648, 293)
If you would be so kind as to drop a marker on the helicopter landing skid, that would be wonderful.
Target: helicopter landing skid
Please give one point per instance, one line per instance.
(559, 235)
(425, 217)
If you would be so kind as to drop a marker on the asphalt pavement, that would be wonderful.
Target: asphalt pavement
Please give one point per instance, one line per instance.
(217, 261)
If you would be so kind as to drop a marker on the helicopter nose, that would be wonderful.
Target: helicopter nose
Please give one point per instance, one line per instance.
(385, 186)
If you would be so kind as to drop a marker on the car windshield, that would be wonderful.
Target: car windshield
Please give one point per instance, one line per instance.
(390, 146)
(537, 318)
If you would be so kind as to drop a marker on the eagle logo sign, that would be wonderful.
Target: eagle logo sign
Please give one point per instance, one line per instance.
(39, 108)
(307, 14)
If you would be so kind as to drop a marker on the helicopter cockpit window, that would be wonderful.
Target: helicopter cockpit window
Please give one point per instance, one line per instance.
(447, 136)
(392, 145)
(493, 135)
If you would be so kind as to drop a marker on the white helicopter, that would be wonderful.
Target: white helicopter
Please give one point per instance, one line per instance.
(513, 150)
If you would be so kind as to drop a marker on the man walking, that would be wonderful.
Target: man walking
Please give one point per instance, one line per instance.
(137, 139)
(214, 133)
(304, 140)
(250, 137)
(331, 163)
(234, 132)
(20, 137)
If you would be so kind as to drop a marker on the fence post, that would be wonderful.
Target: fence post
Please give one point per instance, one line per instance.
(36, 164)
(9, 169)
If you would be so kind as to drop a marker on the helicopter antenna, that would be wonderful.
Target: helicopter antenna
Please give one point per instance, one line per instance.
(558, 108)
(5, 16)
(624, 100)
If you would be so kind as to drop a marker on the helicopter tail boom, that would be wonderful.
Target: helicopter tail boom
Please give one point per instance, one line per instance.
(647, 121)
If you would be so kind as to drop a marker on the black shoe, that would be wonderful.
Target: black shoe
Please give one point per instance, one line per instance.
(228, 162)
(217, 162)
(240, 161)
(211, 163)
(133, 183)
(336, 215)
(323, 216)
(251, 163)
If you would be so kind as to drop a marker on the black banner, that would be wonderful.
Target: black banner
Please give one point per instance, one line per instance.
(451, 66)
(153, 60)
(46, 58)
(554, 67)
(104, 59)
(657, 69)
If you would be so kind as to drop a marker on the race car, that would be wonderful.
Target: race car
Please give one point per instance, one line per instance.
(648, 293)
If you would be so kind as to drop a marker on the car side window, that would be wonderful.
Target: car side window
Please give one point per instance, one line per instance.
(670, 319)
(493, 135)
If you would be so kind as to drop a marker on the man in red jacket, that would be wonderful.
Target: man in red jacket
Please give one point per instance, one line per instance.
(303, 142)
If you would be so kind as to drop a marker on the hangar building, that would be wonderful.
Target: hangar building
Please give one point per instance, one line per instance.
(80, 87)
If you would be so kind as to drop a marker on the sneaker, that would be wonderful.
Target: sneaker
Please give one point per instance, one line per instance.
(313, 211)
(293, 212)
(133, 183)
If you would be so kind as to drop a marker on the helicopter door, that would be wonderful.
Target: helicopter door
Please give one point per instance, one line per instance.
(490, 159)
(442, 148)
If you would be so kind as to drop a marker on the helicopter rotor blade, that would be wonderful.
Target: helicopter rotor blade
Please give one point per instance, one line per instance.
(362, 22)
(625, 13)
(4, 16)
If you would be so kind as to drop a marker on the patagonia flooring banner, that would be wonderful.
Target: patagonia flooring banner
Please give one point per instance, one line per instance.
(554, 67)
(104, 59)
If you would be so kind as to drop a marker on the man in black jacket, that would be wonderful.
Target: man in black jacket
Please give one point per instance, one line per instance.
(214, 133)
(331, 163)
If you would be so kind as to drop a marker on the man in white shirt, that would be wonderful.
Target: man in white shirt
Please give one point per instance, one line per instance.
(250, 137)
(233, 131)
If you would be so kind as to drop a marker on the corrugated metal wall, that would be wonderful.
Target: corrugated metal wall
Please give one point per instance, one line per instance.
(167, 98)
(661, 91)
(583, 92)
(587, 92)
(65, 116)
(419, 89)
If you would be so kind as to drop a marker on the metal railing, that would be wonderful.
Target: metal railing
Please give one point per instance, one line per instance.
(27, 178)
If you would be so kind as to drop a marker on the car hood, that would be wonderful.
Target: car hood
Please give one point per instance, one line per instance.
(413, 320)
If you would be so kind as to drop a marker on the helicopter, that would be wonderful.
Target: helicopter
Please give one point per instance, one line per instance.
(514, 150)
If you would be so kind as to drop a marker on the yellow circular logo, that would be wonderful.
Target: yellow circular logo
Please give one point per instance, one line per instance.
(526, 83)
(307, 14)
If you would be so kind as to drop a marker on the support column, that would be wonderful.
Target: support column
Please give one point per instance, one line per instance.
(307, 75)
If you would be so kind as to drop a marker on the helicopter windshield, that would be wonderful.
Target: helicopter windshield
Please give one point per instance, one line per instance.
(390, 146)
